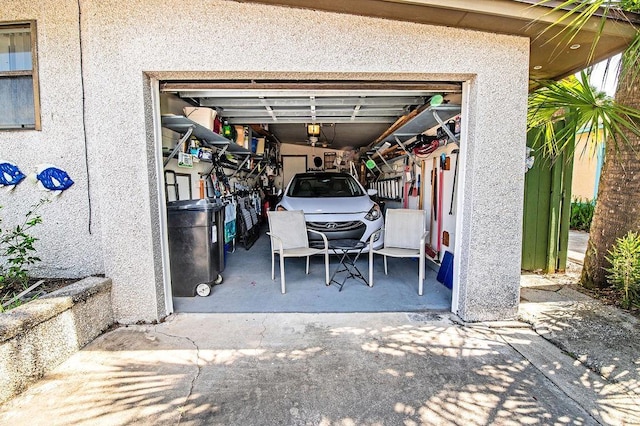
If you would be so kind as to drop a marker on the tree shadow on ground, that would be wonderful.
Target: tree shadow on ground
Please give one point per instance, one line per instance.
(414, 373)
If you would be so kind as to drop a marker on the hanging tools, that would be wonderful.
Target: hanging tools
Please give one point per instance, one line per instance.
(455, 174)
(420, 190)
(201, 187)
(443, 161)
(432, 216)
(408, 183)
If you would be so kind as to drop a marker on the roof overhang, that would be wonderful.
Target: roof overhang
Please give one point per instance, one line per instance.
(551, 57)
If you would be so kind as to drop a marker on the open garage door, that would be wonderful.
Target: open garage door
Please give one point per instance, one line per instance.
(399, 140)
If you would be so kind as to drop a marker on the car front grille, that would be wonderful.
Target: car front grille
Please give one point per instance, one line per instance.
(334, 226)
(337, 230)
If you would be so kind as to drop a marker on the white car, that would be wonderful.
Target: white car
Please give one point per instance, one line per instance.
(334, 204)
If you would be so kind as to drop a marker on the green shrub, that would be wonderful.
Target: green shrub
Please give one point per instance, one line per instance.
(624, 272)
(17, 250)
(581, 214)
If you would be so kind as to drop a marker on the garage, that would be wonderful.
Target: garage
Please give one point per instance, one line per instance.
(108, 74)
(238, 144)
(357, 59)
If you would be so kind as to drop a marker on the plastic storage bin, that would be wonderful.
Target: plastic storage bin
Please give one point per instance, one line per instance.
(196, 245)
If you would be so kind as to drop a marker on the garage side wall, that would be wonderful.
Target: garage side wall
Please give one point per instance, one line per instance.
(126, 43)
(69, 238)
(491, 235)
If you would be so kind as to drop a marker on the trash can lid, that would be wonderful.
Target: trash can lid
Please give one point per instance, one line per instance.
(202, 204)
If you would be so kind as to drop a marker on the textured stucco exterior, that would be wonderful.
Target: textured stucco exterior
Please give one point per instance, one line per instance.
(70, 237)
(126, 46)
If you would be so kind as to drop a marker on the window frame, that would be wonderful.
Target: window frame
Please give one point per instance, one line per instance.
(33, 73)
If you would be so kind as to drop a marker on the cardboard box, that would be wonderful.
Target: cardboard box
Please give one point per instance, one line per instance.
(240, 136)
(243, 136)
(260, 146)
(201, 115)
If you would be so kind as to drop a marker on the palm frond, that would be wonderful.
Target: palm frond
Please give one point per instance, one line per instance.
(631, 59)
(575, 15)
(581, 107)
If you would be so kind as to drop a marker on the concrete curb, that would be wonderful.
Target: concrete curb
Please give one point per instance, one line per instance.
(39, 335)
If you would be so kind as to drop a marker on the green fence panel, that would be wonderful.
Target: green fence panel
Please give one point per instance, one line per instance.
(547, 205)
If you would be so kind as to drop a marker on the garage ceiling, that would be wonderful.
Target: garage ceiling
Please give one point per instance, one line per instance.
(351, 114)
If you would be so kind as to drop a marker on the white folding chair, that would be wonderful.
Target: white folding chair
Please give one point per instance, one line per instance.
(405, 235)
(288, 232)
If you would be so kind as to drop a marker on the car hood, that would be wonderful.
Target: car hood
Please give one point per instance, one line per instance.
(329, 204)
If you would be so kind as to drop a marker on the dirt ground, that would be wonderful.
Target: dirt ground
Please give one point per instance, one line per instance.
(608, 296)
(49, 285)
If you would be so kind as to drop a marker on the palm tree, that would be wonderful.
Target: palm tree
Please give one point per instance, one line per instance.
(618, 203)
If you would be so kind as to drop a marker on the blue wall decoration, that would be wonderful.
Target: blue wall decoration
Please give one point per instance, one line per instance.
(52, 178)
(10, 175)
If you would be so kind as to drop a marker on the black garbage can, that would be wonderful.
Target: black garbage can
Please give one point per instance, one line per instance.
(196, 245)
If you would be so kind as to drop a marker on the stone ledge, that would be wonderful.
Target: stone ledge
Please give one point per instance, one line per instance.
(41, 334)
(29, 315)
(81, 290)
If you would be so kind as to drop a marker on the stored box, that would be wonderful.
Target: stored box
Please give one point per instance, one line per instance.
(260, 146)
(239, 134)
(201, 115)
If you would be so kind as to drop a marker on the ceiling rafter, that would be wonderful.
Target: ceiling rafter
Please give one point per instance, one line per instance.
(366, 108)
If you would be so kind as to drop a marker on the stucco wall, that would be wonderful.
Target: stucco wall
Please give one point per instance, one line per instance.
(70, 235)
(124, 44)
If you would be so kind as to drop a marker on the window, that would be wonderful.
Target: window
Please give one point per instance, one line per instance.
(318, 185)
(19, 100)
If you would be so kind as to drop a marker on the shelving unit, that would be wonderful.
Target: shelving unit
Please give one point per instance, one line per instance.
(209, 139)
(181, 124)
(227, 156)
(421, 122)
(430, 117)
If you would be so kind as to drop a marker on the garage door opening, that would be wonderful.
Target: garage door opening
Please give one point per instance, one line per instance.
(231, 149)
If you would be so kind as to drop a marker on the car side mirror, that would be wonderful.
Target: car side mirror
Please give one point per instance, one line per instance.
(372, 192)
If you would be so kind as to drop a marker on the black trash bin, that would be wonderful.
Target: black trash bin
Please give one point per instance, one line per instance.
(196, 245)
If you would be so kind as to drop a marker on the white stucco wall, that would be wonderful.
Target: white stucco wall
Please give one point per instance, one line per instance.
(70, 236)
(124, 44)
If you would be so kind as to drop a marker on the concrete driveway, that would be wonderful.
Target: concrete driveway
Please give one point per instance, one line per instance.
(321, 369)
(573, 361)
(577, 246)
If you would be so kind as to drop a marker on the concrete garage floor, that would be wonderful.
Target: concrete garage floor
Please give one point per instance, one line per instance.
(247, 287)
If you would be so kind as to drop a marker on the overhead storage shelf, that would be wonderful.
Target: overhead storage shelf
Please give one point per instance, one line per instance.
(181, 124)
(425, 120)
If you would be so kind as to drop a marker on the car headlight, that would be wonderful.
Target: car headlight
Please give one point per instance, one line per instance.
(374, 213)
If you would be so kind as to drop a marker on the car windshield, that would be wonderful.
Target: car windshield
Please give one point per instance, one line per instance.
(324, 185)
